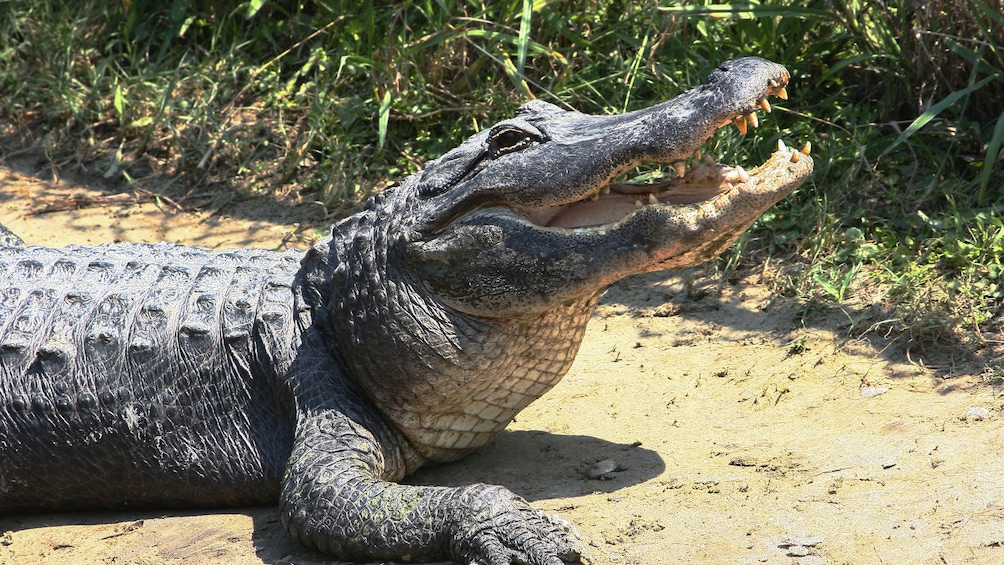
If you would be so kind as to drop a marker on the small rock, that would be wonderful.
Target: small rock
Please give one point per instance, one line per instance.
(743, 461)
(665, 310)
(601, 470)
(977, 414)
(799, 546)
(870, 391)
(797, 550)
(889, 464)
(807, 542)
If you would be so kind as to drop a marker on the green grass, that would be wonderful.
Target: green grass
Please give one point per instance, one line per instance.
(335, 99)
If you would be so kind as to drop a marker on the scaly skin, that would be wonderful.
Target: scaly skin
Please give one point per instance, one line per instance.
(139, 375)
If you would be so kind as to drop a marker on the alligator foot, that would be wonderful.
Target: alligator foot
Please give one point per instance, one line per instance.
(496, 527)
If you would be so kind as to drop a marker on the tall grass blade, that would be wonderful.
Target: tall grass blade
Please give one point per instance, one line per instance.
(384, 119)
(119, 102)
(933, 111)
(516, 77)
(253, 7)
(524, 36)
(993, 153)
(633, 73)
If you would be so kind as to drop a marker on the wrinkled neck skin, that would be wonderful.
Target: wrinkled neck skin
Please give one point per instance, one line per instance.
(448, 381)
(462, 295)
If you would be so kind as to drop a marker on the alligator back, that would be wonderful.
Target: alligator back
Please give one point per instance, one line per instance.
(143, 374)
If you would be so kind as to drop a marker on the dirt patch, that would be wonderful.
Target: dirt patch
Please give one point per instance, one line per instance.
(697, 425)
(82, 210)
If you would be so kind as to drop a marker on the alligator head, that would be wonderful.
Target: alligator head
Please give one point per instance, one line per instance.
(461, 295)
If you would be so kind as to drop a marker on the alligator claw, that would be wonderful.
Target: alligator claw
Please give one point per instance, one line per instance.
(498, 527)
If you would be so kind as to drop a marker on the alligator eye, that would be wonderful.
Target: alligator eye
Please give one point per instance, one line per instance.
(508, 139)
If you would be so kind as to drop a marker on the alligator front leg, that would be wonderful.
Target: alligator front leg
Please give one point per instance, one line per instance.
(332, 500)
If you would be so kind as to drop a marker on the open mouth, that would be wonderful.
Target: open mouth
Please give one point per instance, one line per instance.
(701, 183)
(696, 181)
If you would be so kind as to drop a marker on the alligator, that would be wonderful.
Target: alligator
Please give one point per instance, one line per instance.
(160, 375)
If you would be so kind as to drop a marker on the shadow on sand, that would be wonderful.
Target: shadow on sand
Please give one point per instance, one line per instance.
(536, 465)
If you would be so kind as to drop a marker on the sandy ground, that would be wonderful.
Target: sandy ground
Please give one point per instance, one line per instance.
(696, 426)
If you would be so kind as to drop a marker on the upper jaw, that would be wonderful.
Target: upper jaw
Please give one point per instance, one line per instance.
(672, 133)
(575, 190)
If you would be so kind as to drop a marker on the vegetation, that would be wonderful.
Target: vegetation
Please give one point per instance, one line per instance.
(901, 101)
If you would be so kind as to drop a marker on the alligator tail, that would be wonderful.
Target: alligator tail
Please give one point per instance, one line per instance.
(8, 239)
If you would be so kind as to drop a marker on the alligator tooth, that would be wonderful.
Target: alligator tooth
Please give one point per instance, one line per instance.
(743, 175)
(731, 176)
(638, 204)
(807, 148)
(652, 199)
(794, 156)
(765, 105)
(680, 167)
(595, 197)
(708, 160)
(697, 155)
(781, 146)
(753, 120)
(782, 93)
(605, 189)
(740, 123)
(773, 83)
